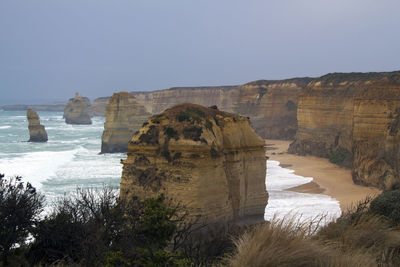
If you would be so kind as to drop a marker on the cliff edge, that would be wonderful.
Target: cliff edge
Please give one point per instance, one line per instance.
(271, 106)
(353, 119)
(210, 161)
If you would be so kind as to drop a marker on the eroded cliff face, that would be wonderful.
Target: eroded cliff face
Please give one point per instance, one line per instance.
(99, 106)
(37, 132)
(271, 106)
(157, 101)
(77, 110)
(352, 119)
(210, 161)
(124, 116)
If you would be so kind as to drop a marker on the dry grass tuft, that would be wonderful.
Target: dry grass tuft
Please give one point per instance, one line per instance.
(288, 243)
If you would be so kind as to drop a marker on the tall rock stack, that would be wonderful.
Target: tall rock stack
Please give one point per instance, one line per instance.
(124, 116)
(37, 132)
(210, 161)
(77, 110)
(353, 119)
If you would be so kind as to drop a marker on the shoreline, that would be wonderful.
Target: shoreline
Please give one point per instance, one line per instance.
(328, 178)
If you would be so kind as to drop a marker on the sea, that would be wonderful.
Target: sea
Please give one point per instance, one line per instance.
(71, 160)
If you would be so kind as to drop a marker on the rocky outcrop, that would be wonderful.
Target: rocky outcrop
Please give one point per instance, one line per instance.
(37, 132)
(77, 110)
(271, 106)
(210, 161)
(353, 119)
(157, 101)
(124, 116)
(99, 106)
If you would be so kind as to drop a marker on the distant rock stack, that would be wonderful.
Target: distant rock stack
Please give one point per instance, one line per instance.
(124, 116)
(77, 110)
(37, 133)
(99, 106)
(211, 162)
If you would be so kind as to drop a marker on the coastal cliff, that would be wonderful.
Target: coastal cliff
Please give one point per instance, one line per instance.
(210, 161)
(124, 116)
(157, 101)
(353, 119)
(37, 132)
(99, 106)
(77, 110)
(271, 106)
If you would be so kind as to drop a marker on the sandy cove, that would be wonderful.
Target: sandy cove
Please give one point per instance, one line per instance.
(328, 178)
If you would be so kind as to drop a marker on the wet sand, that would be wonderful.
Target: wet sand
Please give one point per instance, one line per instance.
(328, 178)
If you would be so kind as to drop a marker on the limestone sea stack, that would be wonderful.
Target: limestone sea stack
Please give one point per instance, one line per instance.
(124, 116)
(212, 162)
(77, 110)
(37, 132)
(353, 119)
(99, 106)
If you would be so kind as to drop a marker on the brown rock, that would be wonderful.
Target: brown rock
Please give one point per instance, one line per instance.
(99, 106)
(210, 161)
(77, 110)
(354, 117)
(271, 106)
(124, 116)
(37, 132)
(157, 101)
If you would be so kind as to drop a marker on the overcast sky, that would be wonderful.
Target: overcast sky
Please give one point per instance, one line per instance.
(49, 49)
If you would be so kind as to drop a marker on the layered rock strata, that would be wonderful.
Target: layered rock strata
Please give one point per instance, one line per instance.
(124, 116)
(271, 106)
(157, 101)
(99, 106)
(353, 119)
(37, 132)
(210, 161)
(77, 110)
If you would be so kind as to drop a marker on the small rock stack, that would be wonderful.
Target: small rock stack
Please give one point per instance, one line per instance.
(77, 110)
(37, 131)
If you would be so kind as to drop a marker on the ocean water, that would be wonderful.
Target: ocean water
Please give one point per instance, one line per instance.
(71, 159)
(303, 207)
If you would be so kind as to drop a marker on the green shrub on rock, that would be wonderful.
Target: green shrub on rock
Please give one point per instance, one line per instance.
(387, 204)
(341, 157)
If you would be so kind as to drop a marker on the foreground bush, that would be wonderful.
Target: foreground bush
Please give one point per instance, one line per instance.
(20, 206)
(388, 204)
(96, 228)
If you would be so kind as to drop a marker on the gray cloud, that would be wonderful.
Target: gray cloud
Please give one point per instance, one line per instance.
(50, 49)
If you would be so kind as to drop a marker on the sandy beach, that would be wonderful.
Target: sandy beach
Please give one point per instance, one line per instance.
(328, 178)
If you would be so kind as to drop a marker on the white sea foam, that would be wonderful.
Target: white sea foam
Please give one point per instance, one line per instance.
(37, 167)
(5, 127)
(283, 204)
